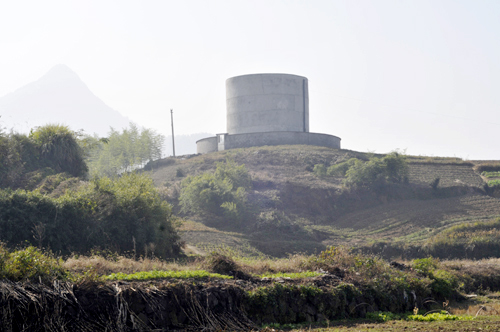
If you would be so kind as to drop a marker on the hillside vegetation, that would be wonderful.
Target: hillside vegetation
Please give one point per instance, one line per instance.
(47, 200)
(302, 199)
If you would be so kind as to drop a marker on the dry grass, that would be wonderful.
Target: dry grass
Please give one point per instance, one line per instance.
(485, 309)
(294, 263)
(103, 266)
(490, 266)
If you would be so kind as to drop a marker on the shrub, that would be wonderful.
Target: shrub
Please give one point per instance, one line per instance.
(319, 170)
(32, 264)
(444, 284)
(340, 170)
(179, 172)
(425, 265)
(393, 168)
(366, 174)
(221, 193)
(236, 174)
(219, 263)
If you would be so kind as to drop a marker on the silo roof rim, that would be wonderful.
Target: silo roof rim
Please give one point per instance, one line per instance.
(259, 74)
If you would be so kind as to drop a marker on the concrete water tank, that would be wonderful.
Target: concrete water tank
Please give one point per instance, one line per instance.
(267, 103)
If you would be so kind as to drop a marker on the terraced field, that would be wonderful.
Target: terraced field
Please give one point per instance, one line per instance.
(449, 174)
(415, 220)
(283, 182)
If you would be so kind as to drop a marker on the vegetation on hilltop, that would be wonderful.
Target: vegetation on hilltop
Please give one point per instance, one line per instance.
(122, 151)
(372, 174)
(47, 150)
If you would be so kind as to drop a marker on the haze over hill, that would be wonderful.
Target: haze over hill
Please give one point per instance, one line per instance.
(59, 96)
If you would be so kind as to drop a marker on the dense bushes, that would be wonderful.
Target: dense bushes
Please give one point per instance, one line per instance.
(371, 174)
(48, 150)
(392, 168)
(59, 150)
(222, 193)
(126, 214)
(30, 264)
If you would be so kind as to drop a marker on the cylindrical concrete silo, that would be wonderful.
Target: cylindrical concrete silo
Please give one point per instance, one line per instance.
(267, 103)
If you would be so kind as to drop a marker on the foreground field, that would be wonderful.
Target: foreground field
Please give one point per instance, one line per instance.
(224, 292)
(489, 323)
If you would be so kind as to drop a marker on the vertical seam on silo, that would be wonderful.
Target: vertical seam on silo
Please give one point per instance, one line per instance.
(304, 103)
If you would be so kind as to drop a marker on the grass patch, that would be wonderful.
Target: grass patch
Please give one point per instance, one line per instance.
(296, 275)
(382, 316)
(150, 275)
(438, 316)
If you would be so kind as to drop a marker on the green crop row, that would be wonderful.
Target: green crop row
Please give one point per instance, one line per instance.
(490, 174)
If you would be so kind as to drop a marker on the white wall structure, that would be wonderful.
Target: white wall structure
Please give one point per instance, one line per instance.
(266, 109)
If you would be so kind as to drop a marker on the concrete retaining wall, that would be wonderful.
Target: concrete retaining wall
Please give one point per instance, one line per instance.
(281, 138)
(270, 138)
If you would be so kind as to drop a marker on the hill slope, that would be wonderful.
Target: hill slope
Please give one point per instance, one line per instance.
(297, 211)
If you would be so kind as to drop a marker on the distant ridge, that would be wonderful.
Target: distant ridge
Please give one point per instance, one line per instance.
(59, 96)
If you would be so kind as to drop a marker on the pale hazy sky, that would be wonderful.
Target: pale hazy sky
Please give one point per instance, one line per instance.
(417, 75)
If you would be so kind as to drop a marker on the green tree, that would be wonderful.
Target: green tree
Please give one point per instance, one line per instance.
(59, 149)
(123, 151)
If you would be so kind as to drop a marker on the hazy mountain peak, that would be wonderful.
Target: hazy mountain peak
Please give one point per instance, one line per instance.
(61, 70)
(59, 96)
(60, 73)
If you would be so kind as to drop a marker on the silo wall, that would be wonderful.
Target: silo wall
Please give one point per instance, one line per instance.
(267, 103)
(206, 145)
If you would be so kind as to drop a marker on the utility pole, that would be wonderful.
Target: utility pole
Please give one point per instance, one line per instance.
(172, 121)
